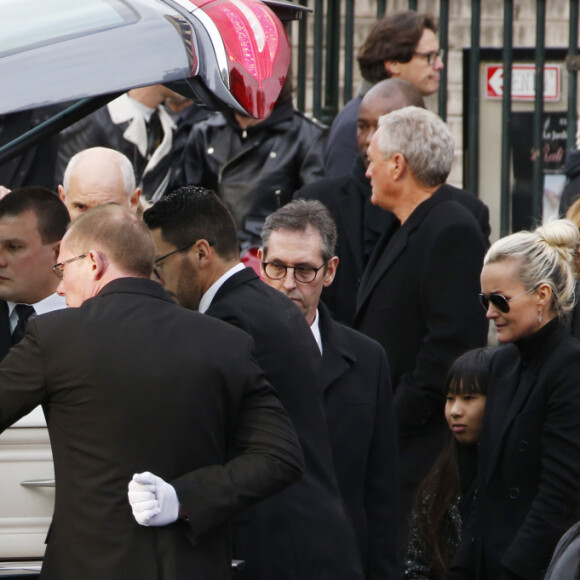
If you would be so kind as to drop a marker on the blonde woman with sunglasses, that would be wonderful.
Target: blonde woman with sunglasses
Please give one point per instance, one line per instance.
(528, 480)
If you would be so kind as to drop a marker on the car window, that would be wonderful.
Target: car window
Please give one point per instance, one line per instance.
(57, 20)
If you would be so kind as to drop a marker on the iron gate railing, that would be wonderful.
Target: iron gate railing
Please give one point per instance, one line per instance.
(332, 31)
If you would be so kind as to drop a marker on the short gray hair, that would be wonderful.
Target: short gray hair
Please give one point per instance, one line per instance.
(299, 216)
(422, 138)
(544, 256)
(121, 161)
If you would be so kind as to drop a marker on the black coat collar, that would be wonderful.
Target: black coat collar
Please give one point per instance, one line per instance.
(514, 384)
(130, 285)
(239, 278)
(337, 353)
(392, 243)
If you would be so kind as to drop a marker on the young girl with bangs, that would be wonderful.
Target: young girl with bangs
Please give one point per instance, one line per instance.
(444, 497)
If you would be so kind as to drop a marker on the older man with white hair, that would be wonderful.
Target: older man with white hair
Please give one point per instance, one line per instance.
(418, 294)
(98, 176)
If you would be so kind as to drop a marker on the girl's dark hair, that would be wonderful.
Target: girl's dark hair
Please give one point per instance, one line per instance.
(469, 373)
(467, 376)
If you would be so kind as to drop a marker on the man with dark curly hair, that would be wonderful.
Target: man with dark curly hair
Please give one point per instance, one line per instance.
(404, 46)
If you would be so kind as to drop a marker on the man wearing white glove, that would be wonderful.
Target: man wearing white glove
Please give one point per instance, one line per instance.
(154, 501)
(130, 382)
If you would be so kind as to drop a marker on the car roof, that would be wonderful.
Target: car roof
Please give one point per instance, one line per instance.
(70, 50)
(54, 51)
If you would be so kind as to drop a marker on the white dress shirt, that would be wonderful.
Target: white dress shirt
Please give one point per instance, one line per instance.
(48, 304)
(210, 293)
(315, 327)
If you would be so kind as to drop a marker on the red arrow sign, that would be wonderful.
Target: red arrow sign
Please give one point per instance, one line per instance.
(523, 82)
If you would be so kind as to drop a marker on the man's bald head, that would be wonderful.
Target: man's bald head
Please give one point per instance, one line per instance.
(384, 97)
(98, 176)
(398, 92)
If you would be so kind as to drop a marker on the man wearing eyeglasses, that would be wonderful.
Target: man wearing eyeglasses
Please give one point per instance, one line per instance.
(159, 441)
(304, 532)
(298, 259)
(402, 46)
(32, 222)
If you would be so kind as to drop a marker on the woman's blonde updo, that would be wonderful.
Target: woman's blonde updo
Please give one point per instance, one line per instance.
(545, 256)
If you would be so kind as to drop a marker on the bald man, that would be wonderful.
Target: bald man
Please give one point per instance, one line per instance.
(98, 176)
(359, 223)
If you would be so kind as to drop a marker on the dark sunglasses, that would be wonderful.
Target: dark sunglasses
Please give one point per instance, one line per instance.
(499, 300)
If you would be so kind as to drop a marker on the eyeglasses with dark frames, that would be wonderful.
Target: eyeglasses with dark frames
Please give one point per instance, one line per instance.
(165, 256)
(500, 301)
(302, 274)
(431, 57)
(58, 269)
(158, 261)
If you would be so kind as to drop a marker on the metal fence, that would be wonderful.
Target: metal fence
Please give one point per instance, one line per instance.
(332, 24)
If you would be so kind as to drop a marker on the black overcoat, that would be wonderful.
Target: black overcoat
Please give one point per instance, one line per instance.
(348, 199)
(359, 409)
(418, 299)
(305, 531)
(131, 382)
(528, 482)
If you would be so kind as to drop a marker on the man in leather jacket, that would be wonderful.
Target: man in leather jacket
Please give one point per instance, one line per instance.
(255, 166)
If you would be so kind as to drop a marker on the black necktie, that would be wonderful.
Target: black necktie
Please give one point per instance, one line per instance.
(154, 133)
(24, 312)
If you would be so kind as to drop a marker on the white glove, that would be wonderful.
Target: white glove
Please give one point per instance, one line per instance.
(153, 501)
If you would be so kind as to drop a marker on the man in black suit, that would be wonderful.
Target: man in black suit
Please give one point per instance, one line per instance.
(297, 258)
(360, 224)
(305, 531)
(133, 384)
(418, 295)
(32, 222)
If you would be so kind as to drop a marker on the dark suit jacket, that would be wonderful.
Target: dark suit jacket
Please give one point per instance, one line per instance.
(132, 382)
(5, 334)
(418, 298)
(342, 147)
(303, 532)
(528, 479)
(348, 198)
(359, 411)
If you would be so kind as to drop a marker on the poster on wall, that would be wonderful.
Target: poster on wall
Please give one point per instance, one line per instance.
(553, 151)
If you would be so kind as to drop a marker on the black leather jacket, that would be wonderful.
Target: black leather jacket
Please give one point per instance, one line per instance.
(256, 170)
